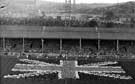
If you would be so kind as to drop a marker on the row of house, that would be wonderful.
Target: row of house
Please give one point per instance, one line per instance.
(88, 17)
(62, 16)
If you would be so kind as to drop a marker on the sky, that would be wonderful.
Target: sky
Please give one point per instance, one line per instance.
(93, 1)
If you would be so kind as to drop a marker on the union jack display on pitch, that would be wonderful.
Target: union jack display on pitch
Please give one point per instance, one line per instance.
(66, 69)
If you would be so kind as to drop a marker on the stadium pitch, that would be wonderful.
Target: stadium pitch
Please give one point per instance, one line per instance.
(28, 72)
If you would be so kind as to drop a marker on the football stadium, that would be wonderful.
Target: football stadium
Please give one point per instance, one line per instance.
(68, 48)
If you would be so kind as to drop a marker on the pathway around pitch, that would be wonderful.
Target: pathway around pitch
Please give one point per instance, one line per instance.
(66, 69)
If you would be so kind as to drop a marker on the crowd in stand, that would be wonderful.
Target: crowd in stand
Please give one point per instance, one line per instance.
(127, 49)
(32, 46)
(38, 21)
(13, 45)
(72, 49)
(51, 46)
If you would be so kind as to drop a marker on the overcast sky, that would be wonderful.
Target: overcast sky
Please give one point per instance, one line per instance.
(92, 1)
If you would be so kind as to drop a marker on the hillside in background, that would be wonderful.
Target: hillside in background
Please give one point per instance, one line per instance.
(29, 8)
(124, 9)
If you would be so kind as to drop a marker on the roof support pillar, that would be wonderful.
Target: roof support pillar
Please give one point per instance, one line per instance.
(23, 46)
(80, 42)
(42, 40)
(61, 45)
(4, 44)
(117, 46)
